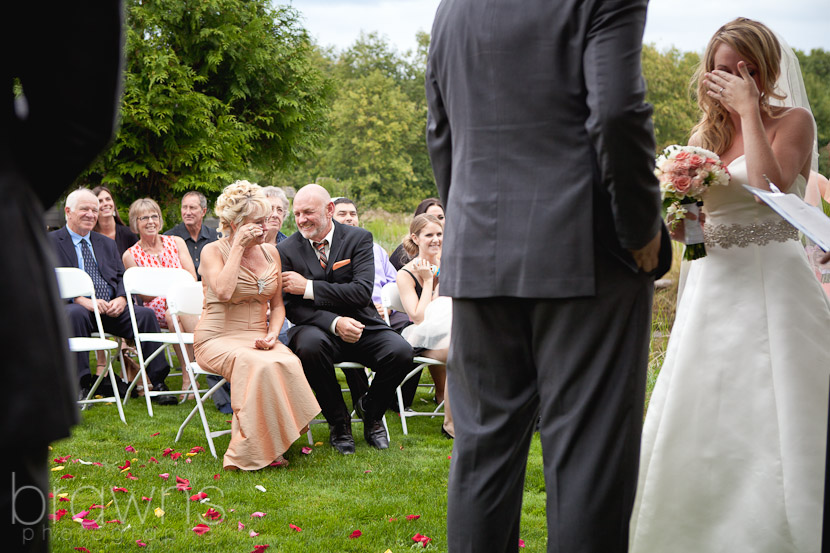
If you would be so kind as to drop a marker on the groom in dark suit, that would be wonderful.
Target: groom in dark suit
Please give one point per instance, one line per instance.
(542, 149)
(328, 274)
(77, 246)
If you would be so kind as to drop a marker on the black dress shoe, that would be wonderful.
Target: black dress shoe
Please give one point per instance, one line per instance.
(165, 399)
(84, 386)
(373, 431)
(340, 438)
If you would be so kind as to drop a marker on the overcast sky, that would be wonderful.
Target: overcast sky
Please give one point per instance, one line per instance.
(805, 24)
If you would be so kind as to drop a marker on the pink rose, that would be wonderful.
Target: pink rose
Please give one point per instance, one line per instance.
(696, 160)
(682, 184)
(681, 155)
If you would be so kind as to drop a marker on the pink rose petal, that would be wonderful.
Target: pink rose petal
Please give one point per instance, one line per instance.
(306, 450)
(521, 542)
(113, 521)
(82, 549)
(257, 514)
(89, 524)
(164, 475)
(253, 534)
(140, 543)
(198, 496)
(119, 489)
(129, 449)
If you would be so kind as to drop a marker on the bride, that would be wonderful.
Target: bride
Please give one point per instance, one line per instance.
(733, 449)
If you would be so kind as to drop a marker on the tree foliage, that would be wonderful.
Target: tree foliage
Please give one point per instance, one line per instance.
(212, 88)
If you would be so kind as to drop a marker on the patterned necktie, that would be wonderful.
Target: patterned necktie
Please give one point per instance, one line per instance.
(321, 252)
(102, 289)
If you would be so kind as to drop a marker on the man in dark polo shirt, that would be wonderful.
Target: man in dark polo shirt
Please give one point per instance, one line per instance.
(191, 229)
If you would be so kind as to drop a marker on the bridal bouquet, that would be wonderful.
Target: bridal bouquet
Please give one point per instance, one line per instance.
(685, 172)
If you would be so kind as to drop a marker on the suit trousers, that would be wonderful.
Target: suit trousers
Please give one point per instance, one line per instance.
(82, 323)
(580, 364)
(381, 349)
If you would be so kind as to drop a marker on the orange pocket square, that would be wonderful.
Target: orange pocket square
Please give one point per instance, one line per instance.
(341, 263)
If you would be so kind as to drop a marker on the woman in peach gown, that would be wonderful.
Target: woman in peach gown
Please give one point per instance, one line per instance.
(271, 399)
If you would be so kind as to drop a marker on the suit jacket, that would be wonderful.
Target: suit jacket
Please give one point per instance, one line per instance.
(68, 60)
(344, 288)
(106, 255)
(541, 143)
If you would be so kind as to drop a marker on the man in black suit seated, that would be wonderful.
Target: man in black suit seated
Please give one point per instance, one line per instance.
(77, 246)
(328, 274)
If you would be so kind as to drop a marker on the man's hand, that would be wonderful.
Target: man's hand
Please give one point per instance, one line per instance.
(293, 283)
(86, 303)
(349, 330)
(379, 307)
(647, 257)
(116, 307)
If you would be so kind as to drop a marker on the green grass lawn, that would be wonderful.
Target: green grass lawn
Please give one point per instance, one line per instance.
(326, 495)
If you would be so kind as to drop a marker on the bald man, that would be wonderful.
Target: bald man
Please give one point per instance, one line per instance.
(328, 276)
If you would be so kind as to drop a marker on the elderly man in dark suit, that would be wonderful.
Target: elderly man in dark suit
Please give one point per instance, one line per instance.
(76, 245)
(328, 273)
(542, 149)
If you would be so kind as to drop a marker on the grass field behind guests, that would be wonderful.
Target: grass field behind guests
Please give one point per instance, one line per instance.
(314, 505)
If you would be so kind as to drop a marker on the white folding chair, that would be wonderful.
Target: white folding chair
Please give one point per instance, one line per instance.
(72, 283)
(151, 281)
(391, 299)
(188, 299)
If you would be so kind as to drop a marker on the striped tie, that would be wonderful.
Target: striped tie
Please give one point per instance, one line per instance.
(321, 252)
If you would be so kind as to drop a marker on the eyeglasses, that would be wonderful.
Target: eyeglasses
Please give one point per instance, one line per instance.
(278, 211)
(145, 218)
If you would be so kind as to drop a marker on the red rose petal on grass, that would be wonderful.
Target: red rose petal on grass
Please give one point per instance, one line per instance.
(96, 506)
(64, 499)
(212, 514)
(89, 524)
(51, 495)
(521, 542)
(420, 538)
(306, 450)
(201, 528)
(216, 477)
(260, 548)
(198, 496)
(82, 515)
(131, 477)
(164, 475)
(129, 449)
(118, 489)
(97, 464)
(355, 534)
(197, 449)
(82, 549)
(113, 521)
(153, 460)
(257, 514)
(156, 434)
(167, 451)
(295, 527)
(175, 456)
(66, 476)
(413, 517)
(58, 514)
(125, 466)
(62, 460)
(140, 543)
(393, 519)
(145, 498)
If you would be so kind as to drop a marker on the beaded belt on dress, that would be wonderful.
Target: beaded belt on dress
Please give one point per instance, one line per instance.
(726, 236)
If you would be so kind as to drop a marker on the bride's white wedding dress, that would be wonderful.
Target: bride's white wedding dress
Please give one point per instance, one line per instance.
(734, 441)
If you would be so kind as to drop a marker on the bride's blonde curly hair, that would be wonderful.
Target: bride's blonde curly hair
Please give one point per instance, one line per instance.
(757, 44)
(239, 201)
